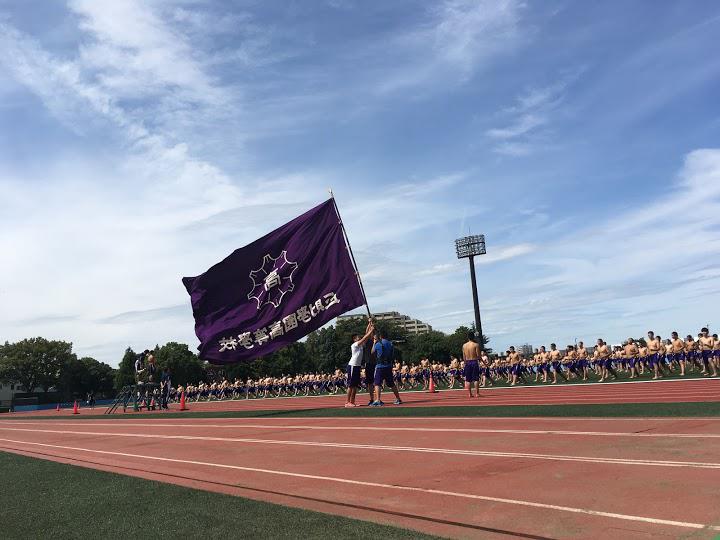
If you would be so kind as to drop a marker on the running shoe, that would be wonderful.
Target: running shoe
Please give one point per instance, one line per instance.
(398, 402)
(376, 404)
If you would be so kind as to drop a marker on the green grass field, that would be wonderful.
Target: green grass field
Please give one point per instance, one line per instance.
(590, 410)
(43, 499)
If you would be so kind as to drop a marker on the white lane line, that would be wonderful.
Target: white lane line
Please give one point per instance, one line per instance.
(517, 502)
(354, 446)
(380, 428)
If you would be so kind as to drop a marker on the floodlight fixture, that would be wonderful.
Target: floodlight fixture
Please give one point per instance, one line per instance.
(469, 247)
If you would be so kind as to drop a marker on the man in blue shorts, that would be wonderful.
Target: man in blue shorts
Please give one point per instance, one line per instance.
(471, 373)
(383, 350)
(355, 364)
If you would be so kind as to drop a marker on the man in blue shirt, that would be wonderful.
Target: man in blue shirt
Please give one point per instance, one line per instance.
(383, 351)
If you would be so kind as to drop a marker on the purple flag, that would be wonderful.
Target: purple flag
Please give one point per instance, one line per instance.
(276, 290)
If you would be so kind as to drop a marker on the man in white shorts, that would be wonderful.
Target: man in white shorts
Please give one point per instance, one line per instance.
(354, 367)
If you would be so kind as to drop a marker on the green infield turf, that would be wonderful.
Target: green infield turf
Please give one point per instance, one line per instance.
(591, 410)
(44, 499)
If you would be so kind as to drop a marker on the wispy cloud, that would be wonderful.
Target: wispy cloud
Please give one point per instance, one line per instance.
(458, 38)
(528, 118)
(497, 254)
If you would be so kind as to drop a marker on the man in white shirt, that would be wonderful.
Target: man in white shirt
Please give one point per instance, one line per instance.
(355, 364)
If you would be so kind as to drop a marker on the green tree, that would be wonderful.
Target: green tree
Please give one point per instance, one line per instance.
(125, 374)
(83, 375)
(324, 349)
(460, 336)
(35, 362)
(433, 345)
(185, 366)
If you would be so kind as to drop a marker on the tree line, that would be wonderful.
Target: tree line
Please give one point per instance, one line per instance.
(38, 363)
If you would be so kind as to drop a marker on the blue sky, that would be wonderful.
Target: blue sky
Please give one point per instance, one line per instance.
(141, 141)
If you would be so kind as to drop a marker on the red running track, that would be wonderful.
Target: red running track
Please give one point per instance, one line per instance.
(458, 477)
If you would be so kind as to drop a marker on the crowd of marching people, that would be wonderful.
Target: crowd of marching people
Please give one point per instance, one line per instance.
(374, 367)
(651, 358)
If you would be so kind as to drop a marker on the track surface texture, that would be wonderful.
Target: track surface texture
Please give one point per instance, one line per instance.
(455, 477)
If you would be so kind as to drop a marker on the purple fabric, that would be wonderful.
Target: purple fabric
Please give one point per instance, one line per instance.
(275, 290)
(471, 372)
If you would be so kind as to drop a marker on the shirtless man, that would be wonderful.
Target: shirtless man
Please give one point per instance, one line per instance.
(425, 370)
(535, 365)
(707, 346)
(570, 360)
(691, 351)
(604, 357)
(654, 346)
(514, 359)
(582, 359)
(642, 357)
(454, 365)
(485, 368)
(543, 359)
(632, 352)
(554, 357)
(471, 356)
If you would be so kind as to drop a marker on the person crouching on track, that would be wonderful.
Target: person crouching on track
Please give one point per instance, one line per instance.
(355, 364)
(383, 350)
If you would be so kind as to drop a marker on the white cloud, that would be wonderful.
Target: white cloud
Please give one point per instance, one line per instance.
(459, 38)
(521, 126)
(532, 112)
(497, 254)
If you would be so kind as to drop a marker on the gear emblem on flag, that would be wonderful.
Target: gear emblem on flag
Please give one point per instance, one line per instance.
(273, 280)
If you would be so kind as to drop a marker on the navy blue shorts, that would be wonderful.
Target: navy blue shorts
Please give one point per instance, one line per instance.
(471, 372)
(353, 376)
(370, 374)
(384, 374)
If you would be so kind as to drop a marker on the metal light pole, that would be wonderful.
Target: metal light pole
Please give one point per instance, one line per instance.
(467, 248)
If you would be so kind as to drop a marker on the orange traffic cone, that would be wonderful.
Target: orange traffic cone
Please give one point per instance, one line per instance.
(432, 390)
(182, 402)
(76, 408)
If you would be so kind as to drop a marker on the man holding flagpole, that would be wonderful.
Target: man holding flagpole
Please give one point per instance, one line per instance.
(355, 365)
(383, 350)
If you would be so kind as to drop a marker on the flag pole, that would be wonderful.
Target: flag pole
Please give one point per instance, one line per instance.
(352, 256)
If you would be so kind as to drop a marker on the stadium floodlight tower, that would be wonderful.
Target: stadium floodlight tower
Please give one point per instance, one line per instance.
(467, 248)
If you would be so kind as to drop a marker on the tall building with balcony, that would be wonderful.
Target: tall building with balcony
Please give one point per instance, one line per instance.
(411, 326)
(526, 350)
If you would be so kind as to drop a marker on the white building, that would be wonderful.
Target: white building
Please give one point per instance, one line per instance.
(411, 326)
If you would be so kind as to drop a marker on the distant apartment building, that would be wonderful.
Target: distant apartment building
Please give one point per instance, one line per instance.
(526, 350)
(411, 326)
